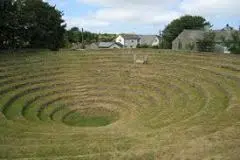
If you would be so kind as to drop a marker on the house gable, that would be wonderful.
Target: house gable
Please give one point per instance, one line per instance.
(187, 39)
(120, 39)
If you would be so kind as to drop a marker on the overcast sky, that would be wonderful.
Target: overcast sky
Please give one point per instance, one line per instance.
(144, 16)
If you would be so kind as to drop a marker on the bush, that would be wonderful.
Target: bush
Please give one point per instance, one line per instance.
(155, 47)
(234, 44)
(207, 43)
(143, 46)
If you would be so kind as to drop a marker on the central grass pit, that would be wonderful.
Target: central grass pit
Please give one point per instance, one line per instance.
(90, 117)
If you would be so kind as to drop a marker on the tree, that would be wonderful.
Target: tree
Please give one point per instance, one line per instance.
(75, 36)
(10, 27)
(44, 24)
(207, 43)
(30, 23)
(106, 37)
(173, 29)
(75, 29)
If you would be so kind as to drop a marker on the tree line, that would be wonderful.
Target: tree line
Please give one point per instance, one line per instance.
(37, 24)
(76, 35)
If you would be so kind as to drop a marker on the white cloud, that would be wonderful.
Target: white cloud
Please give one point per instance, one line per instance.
(137, 16)
(130, 3)
(134, 11)
(212, 8)
(87, 23)
(151, 12)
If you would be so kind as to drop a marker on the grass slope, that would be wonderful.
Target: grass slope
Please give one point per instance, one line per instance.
(99, 105)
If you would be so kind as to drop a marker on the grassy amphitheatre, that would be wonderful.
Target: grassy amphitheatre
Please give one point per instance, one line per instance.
(99, 105)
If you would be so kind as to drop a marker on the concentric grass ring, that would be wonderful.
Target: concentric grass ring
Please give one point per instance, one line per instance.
(98, 104)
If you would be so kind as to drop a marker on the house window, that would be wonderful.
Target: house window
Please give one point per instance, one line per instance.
(132, 41)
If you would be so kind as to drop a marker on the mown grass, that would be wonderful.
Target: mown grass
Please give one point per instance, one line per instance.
(76, 119)
(99, 105)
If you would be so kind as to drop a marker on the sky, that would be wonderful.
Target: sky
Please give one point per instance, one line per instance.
(144, 16)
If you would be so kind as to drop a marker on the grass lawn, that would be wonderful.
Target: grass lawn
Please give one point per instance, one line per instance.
(100, 105)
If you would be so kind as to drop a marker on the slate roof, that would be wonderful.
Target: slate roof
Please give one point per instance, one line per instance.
(107, 44)
(195, 35)
(147, 39)
(130, 36)
(219, 34)
(120, 44)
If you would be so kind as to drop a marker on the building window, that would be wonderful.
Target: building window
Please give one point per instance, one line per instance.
(132, 41)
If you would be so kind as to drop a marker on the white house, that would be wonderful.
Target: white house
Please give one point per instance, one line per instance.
(128, 40)
(132, 40)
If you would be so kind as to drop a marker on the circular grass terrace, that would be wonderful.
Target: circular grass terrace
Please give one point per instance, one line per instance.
(99, 105)
(89, 117)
